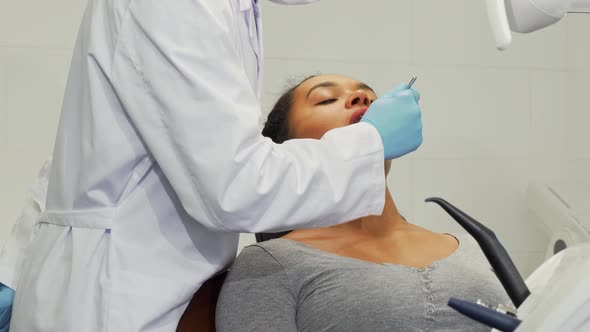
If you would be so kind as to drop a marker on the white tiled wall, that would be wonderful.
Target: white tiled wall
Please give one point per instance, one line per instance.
(339, 30)
(36, 40)
(33, 84)
(456, 32)
(577, 117)
(492, 120)
(39, 24)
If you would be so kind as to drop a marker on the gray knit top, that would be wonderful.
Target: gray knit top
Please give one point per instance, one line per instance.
(284, 285)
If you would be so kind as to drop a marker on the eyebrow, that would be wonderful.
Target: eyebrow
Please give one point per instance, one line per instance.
(365, 87)
(330, 84)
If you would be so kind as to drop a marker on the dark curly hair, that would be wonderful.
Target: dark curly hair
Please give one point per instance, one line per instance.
(277, 122)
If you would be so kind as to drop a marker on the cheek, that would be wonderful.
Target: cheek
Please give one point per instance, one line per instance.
(321, 122)
(327, 120)
(314, 131)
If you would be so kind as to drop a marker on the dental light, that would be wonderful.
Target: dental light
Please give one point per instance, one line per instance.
(526, 16)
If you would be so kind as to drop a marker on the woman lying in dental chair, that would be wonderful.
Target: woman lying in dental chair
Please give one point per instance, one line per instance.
(377, 273)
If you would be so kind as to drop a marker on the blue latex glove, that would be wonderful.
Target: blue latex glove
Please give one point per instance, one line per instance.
(6, 299)
(398, 119)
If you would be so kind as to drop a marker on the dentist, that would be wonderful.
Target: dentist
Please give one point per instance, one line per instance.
(159, 164)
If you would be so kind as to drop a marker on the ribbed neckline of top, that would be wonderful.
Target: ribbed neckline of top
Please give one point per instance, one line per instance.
(417, 269)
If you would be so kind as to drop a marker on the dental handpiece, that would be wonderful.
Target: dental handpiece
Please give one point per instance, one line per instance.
(485, 315)
(412, 81)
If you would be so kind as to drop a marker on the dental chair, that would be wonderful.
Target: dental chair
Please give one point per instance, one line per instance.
(269, 236)
(200, 313)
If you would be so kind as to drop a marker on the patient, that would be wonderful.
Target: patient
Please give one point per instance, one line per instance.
(377, 273)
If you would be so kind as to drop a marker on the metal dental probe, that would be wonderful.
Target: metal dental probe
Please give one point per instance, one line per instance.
(412, 81)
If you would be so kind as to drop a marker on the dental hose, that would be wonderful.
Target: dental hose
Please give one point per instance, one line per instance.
(499, 259)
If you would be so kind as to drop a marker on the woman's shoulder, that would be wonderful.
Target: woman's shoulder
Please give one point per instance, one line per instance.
(281, 251)
(256, 252)
(256, 260)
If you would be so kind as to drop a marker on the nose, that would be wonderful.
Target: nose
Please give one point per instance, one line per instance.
(358, 98)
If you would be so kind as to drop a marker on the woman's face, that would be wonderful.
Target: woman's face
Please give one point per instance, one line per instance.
(325, 102)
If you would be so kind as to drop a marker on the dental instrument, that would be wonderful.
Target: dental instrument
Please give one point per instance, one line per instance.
(412, 81)
(485, 315)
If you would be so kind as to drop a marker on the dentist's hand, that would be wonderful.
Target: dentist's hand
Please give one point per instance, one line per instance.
(6, 299)
(398, 119)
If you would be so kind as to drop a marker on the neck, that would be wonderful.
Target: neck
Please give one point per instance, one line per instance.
(377, 226)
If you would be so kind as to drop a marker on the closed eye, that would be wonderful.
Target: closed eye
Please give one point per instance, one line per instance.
(327, 101)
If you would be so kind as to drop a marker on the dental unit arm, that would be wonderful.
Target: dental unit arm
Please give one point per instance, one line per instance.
(555, 297)
(526, 16)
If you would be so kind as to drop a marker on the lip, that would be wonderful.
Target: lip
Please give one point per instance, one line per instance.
(357, 115)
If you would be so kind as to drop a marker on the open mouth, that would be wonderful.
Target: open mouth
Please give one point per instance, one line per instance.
(358, 115)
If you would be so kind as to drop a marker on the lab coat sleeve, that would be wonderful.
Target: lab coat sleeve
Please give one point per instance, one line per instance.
(179, 73)
(257, 295)
(13, 252)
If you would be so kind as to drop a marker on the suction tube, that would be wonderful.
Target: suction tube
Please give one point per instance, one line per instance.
(497, 256)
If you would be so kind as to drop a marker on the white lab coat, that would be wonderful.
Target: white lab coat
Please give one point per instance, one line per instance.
(159, 162)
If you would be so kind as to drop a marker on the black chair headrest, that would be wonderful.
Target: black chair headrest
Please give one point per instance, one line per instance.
(269, 236)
